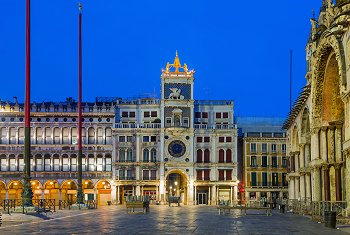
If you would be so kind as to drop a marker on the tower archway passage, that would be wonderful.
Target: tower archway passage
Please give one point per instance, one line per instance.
(177, 186)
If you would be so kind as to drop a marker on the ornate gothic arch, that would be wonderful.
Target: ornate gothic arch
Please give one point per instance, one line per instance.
(328, 47)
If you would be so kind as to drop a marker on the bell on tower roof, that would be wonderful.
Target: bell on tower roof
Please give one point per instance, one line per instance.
(176, 66)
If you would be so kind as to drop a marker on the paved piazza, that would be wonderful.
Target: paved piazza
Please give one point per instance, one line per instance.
(165, 220)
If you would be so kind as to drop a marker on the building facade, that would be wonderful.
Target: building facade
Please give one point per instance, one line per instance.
(319, 123)
(172, 146)
(264, 161)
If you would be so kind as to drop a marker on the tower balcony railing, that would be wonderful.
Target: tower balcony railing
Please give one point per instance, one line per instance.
(216, 126)
(135, 125)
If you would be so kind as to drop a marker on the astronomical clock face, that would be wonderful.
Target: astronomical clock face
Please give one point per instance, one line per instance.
(177, 148)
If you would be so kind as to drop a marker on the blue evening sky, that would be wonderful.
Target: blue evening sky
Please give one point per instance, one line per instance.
(239, 49)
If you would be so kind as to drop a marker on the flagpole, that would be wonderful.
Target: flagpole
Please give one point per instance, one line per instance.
(80, 194)
(27, 194)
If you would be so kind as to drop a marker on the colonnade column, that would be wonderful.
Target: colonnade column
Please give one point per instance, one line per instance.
(316, 186)
(326, 183)
(291, 188)
(339, 162)
(308, 185)
(338, 183)
(296, 188)
(302, 186)
(213, 195)
(324, 144)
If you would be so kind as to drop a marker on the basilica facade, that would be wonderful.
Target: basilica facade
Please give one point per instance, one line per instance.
(319, 123)
(172, 146)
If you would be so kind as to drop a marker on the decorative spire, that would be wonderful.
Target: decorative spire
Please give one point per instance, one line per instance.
(176, 67)
(177, 63)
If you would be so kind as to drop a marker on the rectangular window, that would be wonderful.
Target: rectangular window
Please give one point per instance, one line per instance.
(199, 139)
(83, 161)
(204, 115)
(129, 139)
(253, 179)
(153, 174)
(132, 114)
(228, 174)
(197, 115)
(264, 161)
(273, 148)
(13, 166)
(125, 114)
(284, 148)
(185, 122)
(206, 139)
(38, 164)
(199, 175)
(153, 138)
(228, 139)
(145, 174)
(221, 174)
(264, 147)
(284, 179)
(146, 114)
(145, 139)
(225, 115)
(284, 162)
(207, 174)
(20, 164)
(274, 162)
(264, 179)
(253, 162)
(47, 162)
(221, 139)
(253, 147)
(274, 179)
(154, 114)
(121, 139)
(218, 115)
(91, 163)
(168, 121)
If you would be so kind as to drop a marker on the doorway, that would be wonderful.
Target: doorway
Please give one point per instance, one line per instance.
(176, 186)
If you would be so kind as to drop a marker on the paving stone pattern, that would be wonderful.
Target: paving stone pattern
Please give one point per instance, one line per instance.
(169, 220)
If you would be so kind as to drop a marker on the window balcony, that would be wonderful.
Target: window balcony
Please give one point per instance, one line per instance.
(126, 160)
(126, 178)
(136, 126)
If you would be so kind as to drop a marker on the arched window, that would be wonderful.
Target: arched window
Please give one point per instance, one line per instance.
(228, 155)
(122, 155)
(3, 135)
(56, 135)
(38, 162)
(91, 162)
(100, 135)
(47, 162)
(108, 159)
(39, 135)
(65, 163)
(48, 135)
(83, 135)
(91, 136)
(146, 155)
(221, 156)
(3, 162)
(12, 135)
(129, 156)
(206, 156)
(73, 162)
(153, 155)
(199, 156)
(99, 163)
(83, 162)
(21, 135)
(13, 162)
(66, 135)
(74, 134)
(56, 162)
(108, 136)
(32, 132)
(20, 162)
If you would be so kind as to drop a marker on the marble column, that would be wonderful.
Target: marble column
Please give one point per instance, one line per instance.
(324, 144)
(326, 183)
(291, 188)
(315, 153)
(235, 194)
(338, 182)
(297, 188)
(307, 186)
(331, 144)
(338, 144)
(296, 161)
(118, 194)
(302, 156)
(213, 195)
(347, 177)
(302, 186)
(316, 186)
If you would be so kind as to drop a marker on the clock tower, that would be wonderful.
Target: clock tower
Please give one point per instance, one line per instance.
(177, 141)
